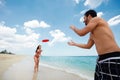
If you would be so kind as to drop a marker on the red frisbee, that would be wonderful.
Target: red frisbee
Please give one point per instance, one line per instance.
(45, 40)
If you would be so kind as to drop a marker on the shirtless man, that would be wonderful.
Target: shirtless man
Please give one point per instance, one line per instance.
(108, 50)
(36, 58)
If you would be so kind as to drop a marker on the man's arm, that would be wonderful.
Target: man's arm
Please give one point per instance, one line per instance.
(90, 26)
(86, 46)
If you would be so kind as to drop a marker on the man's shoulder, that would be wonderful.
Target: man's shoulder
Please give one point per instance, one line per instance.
(96, 18)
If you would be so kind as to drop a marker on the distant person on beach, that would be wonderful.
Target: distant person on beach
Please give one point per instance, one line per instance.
(36, 58)
(108, 63)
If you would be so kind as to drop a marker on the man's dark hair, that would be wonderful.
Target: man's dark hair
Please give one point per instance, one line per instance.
(91, 12)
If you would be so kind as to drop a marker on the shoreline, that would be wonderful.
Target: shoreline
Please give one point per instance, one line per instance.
(69, 71)
(22, 69)
(57, 74)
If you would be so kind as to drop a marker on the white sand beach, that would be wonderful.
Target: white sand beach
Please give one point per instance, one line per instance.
(6, 61)
(16, 67)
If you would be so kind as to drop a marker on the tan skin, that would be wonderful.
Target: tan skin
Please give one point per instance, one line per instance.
(100, 35)
(36, 58)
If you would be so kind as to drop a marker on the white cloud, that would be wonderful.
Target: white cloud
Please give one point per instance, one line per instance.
(81, 19)
(9, 39)
(58, 36)
(29, 31)
(44, 25)
(91, 3)
(77, 1)
(94, 3)
(35, 24)
(32, 24)
(100, 14)
(6, 31)
(114, 21)
(83, 11)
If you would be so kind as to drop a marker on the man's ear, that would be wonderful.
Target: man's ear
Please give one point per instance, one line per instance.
(89, 16)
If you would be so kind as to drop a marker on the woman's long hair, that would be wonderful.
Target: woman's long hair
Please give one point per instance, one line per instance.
(38, 47)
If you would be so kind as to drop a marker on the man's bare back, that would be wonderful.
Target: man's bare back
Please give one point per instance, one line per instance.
(103, 37)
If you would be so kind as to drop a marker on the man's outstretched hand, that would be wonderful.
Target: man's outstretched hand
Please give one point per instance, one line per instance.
(72, 27)
(71, 43)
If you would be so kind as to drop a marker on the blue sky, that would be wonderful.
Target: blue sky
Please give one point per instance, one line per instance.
(24, 23)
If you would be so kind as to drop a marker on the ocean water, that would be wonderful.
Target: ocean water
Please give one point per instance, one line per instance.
(84, 66)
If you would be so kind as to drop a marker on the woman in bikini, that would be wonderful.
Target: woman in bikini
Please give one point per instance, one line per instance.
(36, 58)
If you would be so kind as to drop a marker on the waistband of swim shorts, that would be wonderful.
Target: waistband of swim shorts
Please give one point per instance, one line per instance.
(108, 55)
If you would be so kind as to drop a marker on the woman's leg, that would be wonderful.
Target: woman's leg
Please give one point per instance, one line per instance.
(37, 65)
